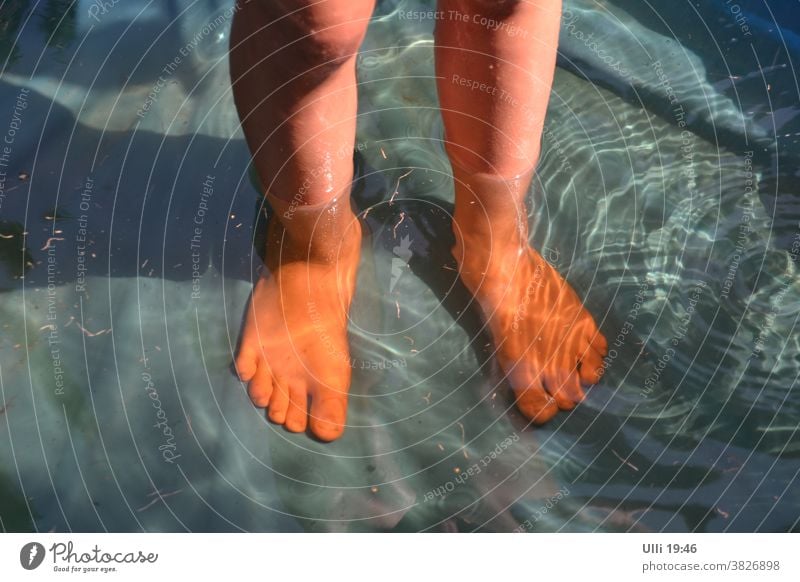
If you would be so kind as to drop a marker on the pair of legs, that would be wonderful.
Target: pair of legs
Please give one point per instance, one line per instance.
(293, 69)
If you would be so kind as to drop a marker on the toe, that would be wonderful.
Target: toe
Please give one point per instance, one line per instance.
(536, 404)
(589, 375)
(591, 366)
(555, 386)
(328, 414)
(598, 342)
(246, 362)
(279, 402)
(297, 414)
(260, 387)
(572, 387)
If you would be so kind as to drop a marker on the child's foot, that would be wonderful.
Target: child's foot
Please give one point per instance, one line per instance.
(294, 343)
(546, 342)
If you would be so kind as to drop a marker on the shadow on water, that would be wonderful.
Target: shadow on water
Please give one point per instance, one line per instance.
(10, 20)
(141, 211)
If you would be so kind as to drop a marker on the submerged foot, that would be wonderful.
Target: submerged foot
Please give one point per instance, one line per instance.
(546, 343)
(294, 343)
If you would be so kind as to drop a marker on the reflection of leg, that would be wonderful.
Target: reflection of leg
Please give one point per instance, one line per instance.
(495, 64)
(293, 75)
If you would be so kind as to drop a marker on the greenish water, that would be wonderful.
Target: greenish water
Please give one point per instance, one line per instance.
(666, 194)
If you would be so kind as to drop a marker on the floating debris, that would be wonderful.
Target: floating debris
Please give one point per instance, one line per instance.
(399, 222)
(631, 465)
(397, 187)
(463, 440)
(56, 214)
(92, 334)
(49, 240)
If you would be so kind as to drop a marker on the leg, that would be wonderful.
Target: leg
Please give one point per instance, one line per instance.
(495, 61)
(293, 76)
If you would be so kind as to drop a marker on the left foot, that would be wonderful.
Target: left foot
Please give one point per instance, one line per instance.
(546, 343)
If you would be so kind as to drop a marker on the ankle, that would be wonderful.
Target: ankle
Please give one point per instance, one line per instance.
(490, 204)
(322, 233)
(483, 259)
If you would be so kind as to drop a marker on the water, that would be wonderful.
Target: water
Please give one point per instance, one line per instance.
(666, 194)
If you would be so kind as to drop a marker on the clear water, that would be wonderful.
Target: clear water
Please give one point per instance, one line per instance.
(667, 194)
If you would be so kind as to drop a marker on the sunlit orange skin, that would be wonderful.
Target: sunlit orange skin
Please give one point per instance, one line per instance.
(294, 343)
(294, 81)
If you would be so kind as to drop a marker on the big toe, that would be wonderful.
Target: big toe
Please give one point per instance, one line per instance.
(597, 340)
(328, 415)
(554, 385)
(260, 386)
(534, 402)
(246, 362)
(591, 366)
(567, 390)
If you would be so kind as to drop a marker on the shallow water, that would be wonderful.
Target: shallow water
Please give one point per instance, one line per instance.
(666, 193)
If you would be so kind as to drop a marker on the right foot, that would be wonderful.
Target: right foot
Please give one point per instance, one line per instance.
(294, 343)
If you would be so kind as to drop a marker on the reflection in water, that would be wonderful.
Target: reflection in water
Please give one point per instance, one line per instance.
(10, 19)
(57, 20)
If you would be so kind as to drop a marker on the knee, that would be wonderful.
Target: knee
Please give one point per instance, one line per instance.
(315, 33)
(502, 10)
(494, 9)
(331, 42)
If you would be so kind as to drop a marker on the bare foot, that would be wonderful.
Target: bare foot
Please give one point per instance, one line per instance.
(294, 343)
(546, 343)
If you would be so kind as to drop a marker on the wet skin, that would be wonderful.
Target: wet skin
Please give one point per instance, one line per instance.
(294, 81)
